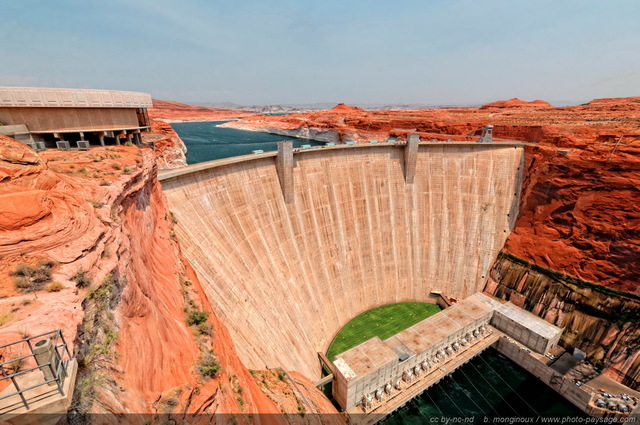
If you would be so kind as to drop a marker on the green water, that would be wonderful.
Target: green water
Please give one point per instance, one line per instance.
(488, 387)
(206, 142)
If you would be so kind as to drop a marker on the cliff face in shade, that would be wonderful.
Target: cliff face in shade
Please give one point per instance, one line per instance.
(576, 213)
(601, 323)
(102, 212)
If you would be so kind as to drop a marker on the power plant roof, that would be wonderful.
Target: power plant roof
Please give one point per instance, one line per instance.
(370, 355)
(519, 315)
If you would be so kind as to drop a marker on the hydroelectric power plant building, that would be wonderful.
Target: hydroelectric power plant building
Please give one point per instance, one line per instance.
(377, 377)
(375, 369)
(69, 118)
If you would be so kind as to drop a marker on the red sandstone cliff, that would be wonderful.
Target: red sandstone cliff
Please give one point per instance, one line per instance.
(577, 213)
(517, 103)
(174, 111)
(169, 148)
(102, 212)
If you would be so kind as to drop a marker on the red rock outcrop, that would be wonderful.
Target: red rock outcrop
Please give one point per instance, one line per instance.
(577, 213)
(102, 212)
(517, 103)
(341, 107)
(169, 148)
(170, 111)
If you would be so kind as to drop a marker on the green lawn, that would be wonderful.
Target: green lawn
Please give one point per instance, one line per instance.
(384, 321)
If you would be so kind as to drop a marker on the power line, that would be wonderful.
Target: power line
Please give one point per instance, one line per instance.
(480, 393)
(453, 402)
(514, 391)
(434, 403)
(494, 388)
(462, 390)
(615, 147)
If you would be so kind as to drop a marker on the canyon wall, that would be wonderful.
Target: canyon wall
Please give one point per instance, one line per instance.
(123, 294)
(169, 149)
(600, 321)
(285, 277)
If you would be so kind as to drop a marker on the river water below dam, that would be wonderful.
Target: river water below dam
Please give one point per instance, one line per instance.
(489, 386)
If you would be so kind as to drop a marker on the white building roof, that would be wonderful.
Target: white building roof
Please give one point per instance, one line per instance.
(519, 315)
(529, 321)
(35, 97)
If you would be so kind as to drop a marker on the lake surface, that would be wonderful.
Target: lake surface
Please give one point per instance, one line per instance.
(490, 386)
(206, 142)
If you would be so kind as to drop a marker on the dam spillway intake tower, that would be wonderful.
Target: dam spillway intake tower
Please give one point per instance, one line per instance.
(290, 248)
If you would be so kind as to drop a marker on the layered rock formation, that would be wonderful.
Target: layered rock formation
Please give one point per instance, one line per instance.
(170, 111)
(517, 103)
(599, 321)
(169, 148)
(101, 217)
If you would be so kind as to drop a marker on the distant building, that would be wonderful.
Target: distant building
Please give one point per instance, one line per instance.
(48, 116)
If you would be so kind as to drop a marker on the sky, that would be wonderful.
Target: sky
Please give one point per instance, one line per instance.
(259, 52)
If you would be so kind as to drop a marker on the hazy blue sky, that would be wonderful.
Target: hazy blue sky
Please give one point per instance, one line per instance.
(298, 51)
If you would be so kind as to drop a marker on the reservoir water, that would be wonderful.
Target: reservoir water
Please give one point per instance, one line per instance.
(488, 387)
(206, 142)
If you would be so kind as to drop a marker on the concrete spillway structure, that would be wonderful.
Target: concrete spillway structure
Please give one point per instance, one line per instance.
(356, 234)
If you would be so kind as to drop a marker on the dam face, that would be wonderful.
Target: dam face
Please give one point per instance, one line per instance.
(285, 277)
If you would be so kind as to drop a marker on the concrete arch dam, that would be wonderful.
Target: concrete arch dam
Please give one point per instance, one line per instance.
(354, 233)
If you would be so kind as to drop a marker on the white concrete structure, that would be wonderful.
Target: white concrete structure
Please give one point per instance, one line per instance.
(48, 115)
(370, 366)
(529, 329)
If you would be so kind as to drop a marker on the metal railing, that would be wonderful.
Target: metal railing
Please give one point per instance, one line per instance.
(53, 367)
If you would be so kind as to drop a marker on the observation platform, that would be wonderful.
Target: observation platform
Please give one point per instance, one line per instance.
(38, 380)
